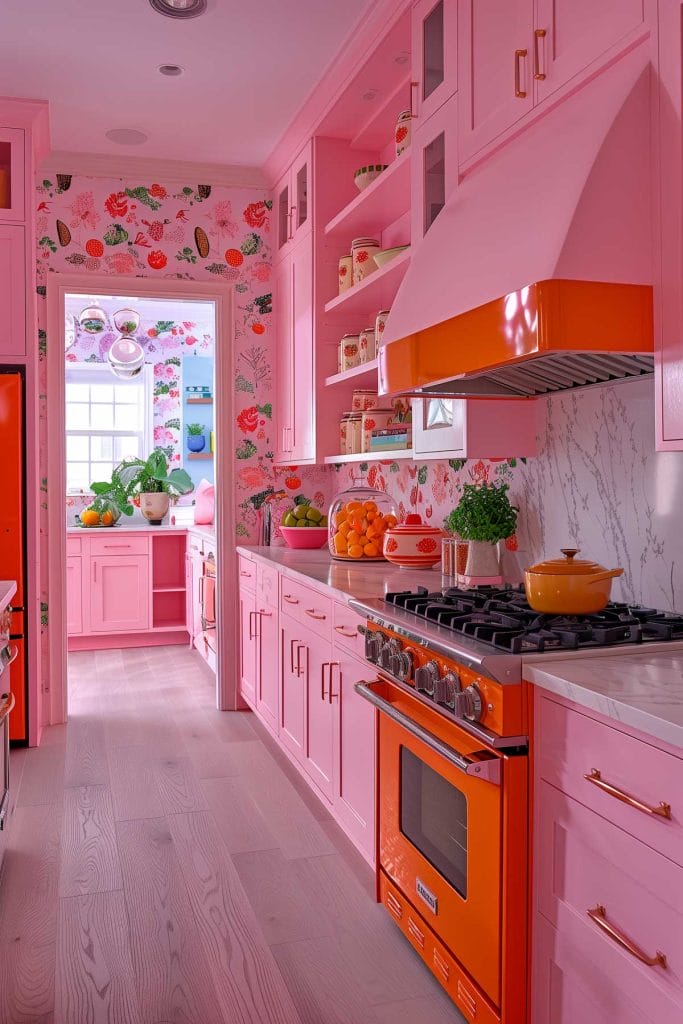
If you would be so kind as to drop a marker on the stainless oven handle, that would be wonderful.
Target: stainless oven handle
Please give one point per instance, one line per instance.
(487, 770)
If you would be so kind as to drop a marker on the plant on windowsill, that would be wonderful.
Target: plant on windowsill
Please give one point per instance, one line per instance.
(483, 516)
(195, 437)
(150, 480)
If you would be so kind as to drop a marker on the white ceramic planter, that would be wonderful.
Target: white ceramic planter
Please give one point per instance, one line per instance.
(483, 568)
(154, 506)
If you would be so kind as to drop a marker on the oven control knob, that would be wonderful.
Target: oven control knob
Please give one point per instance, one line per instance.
(390, 649)
(401, 665)
(373, 645)
(447, 689)
(468, 704)
(426, 677)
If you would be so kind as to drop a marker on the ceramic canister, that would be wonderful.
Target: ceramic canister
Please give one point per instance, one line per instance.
(403, 131)
(353, 434)
(361, 401)
(348, 352)
(374, 419)
(366, 345)
(380, 324)
(363, 250)
(413, 544)
(345, 273)
(344, 434)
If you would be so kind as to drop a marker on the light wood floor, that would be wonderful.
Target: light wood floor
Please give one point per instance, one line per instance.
(166, 864)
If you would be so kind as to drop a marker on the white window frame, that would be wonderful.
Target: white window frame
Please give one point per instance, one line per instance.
(99, 373)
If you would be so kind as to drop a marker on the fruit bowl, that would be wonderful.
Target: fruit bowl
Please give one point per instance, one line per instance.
(303, 538)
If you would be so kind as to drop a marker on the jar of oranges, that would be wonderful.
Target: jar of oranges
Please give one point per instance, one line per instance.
(358, 519)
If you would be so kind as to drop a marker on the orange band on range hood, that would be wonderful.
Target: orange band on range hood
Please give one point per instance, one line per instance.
(548, 336)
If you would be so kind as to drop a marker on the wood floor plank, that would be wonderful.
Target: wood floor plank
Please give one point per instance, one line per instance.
(282, 907)
(298, 833)
(178, 786)
(172, 977)
(242, 826)
(248, 982)
(134, 789)
(90, 861)
(28, 915)
(42, 780)
(437, 1009)
(95, 980)
(86, 757)
(211, 759)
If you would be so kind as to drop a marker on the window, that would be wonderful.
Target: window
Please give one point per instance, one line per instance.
(106, 420)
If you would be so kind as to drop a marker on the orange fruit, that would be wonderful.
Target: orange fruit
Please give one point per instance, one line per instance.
(340, 544)
(107, 518)
(353, 537)
(371, 515)
(370, 506)
(344, 528)
(89, 517)
(353, 506)
(390, 520)
(371, 551)
(339, 518)
(355, 551)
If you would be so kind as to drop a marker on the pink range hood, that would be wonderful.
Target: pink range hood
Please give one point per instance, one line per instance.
(536, 276)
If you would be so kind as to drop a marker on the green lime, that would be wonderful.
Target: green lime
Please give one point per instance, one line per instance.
(314, 515)
(290, 520)
(300, 511)
(301, 522)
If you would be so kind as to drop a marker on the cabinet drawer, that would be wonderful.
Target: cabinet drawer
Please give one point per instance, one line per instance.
(572, 746)
(119, 545)
(307, 606)
(345, 623)
(195, 544)
(247, 573)
(588, 864)
(73, 545)
(266, 584)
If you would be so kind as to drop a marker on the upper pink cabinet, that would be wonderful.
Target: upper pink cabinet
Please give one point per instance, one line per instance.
(293, 307)
(512, 56)
(293, 203)
(434, 167)
(12, 290)
(12, 142)
(434, 50)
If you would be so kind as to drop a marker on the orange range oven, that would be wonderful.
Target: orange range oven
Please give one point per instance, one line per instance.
(452, 866)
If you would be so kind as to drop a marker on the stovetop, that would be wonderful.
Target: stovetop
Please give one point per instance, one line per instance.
(504, 620)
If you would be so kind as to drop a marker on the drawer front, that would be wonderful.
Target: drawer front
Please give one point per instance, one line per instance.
(73, 545)
(119, 545)
(307, 606)
(345, 625)
(592, 876)
(572, 746)
(266, 585)
(195, 544)
(247, 573)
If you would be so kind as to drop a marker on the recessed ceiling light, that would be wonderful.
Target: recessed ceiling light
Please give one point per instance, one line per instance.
(402, 58)
(369, 95)
(126, 136)
(170, 70)
(179, 8)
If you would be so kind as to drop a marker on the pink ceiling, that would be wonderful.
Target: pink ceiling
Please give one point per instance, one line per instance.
(248, 68)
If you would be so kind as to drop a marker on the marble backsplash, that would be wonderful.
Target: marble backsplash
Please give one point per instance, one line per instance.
(599, 485)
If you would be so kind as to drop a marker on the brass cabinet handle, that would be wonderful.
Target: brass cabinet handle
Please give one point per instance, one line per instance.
(539, 33)
(291, 656)
(333, 696)
(267, 615)
(349, 636)
(519, 92)
(301, 670)
(289, 599)
(311, 612)
(413, 85)
(322, 679)
(598, 915)
(247, 574)
(291, 233)
(595, 777)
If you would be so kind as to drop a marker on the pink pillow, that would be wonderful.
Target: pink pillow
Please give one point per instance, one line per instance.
(204, 504)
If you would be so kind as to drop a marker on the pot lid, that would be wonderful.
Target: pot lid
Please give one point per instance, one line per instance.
(567, 566)
(414, 524)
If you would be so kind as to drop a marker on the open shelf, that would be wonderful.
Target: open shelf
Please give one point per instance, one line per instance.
(168, 563)
(194, 456)
(199, 401)
(376, 292)
(377, 206)
(378, 129)
(168, 590)
(391, 456)
(168, 609)
(359, 374)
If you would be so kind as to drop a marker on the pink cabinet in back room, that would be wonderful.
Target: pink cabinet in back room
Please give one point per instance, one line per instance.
(120, 592)
(248, 643)
(74, 595)
(293, 309)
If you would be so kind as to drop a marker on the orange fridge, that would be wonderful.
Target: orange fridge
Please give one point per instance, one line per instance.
(13, 533)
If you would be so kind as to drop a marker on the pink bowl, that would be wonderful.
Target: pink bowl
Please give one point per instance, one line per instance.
(304, 537)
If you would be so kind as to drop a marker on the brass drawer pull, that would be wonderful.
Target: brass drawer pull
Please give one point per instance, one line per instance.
(311, 612)
(289, 599)
(349, 636)
(595, 777)
(539, 33)
(519, 92)
(599, 916)
(242, 572)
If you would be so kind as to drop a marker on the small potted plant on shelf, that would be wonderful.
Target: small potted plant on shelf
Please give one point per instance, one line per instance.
(196, 440)
(483, 516)
(149, 479)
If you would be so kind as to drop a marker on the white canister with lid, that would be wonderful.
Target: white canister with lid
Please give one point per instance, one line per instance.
(345, 273)
(380, 324)
(348, 352)
(366, 345)
(363, 251)
(403, 131)
(354, 434)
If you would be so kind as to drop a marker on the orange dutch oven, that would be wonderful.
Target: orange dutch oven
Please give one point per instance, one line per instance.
(568, 586)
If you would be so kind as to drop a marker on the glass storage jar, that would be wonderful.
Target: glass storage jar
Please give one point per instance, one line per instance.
(358, 519)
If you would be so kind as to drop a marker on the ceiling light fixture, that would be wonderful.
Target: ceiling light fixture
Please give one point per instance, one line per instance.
(126, 136)
(179, 8)
(170, 70)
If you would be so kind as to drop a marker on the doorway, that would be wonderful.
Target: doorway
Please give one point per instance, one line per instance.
(135, 406)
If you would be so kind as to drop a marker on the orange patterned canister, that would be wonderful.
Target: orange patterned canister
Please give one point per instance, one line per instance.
(363, 251)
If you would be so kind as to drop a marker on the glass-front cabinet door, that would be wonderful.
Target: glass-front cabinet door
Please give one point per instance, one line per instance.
(282, 213)
(12, 174)
(434, 47)
(434, 167)
(439, 425)
(300, 206)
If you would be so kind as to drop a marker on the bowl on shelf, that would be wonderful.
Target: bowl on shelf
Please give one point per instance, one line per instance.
(387, 255)
(364, 176)
(308, 538)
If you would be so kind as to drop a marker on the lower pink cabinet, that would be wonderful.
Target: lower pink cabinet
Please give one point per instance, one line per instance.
(248, 641)
(74, 595)
(608, 905)
(119, 593)
(267, 675)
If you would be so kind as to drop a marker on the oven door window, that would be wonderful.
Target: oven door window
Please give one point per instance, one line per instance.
(434, 819)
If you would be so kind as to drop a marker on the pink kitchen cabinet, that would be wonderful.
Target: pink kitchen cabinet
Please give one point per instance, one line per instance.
(248, 644)
(434, 166)
(293, 684)
(268, 680)
(320, 715)
(12, 291)
(12, 173)
(434, 35)
(354, 753)
(452, 428)
(74, 595)
(292, 203)
(120, 593)
(293, 308)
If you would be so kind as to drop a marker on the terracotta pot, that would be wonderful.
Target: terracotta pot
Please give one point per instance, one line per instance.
(568, 586)
(413, 544)
(483, 567)
(154, 506)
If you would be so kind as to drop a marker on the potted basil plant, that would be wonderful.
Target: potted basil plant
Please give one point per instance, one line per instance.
(483, 517)
(195, 437)
(151, 480)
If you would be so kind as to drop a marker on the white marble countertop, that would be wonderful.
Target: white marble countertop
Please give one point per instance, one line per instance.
(135, 526)
(8, 589)
(643, 689)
